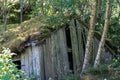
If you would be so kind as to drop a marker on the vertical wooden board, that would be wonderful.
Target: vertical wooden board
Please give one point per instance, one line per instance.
(80, 43)
(53, 54)
(27, 61)
(22, 63)
(42, 63)
(74, 41)
(48, 60)
(63, 57)
(36, 62)
(38, 59)
(58, 54)
(45, 62)
(30, 61)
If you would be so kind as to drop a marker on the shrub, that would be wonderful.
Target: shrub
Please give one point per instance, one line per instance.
(8, 70)
(102, 69)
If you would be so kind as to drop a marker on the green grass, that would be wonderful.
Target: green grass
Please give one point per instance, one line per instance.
(18, 33)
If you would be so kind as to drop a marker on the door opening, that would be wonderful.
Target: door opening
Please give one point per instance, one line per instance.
(69, 49)
(18, 63)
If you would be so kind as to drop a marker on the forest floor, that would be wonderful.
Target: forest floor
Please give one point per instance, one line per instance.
(103, 72)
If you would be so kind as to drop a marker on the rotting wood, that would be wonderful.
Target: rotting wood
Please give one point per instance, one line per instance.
(75, 52)
(62, 55)
(41, 59)
(30, 61)
(36, 62)
(80, 43)
(48, 62)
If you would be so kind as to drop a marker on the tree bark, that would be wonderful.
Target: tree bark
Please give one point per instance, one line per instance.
(90, 36)
(104, 35)
(5, 14)
(21, 10)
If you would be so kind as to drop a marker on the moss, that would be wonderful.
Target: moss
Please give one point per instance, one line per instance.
(102, 69)
(109, 71)
(17, 34)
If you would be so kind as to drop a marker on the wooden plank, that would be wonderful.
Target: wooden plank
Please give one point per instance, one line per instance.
(49, 71)
(63, 57)
(80, 44)
(75, 51)
(42, 63)
(23, 63)
(45, 64)
(27, 62)
(36, 62)
(30, 61)
(53, 54)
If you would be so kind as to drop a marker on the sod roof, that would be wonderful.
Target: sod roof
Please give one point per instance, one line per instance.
(17, 35)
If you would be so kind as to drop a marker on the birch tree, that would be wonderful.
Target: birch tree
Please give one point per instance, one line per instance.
(90, 36)
(104, 35)
(21, 10)
(4, 15)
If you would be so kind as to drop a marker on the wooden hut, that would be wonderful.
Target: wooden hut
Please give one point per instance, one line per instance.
(59, 54)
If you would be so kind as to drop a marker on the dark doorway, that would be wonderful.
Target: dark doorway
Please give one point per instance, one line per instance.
(69, 48)
(18, 63)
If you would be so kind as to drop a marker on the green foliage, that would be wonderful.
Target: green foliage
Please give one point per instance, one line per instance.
(56, 12)
(72, 77)
(8, 70)
(114, 29)
(102, 69)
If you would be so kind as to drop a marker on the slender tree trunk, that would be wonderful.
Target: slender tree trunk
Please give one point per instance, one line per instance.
(4, 16)
(21, 10)
(90, 36)
(104, 35)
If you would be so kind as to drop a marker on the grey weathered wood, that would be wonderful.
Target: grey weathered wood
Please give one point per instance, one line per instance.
(53, 53)
(27, 62)
(80, 43)
(75, 49)
(49, 72)
(23, 64)
(55, 56)
(63, 53)
(30, 61)
(36, 61)
(42, 62)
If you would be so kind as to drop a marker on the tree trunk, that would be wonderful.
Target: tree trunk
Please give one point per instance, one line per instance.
(90, 36)
(104, 35)
(4, 16)
(21, 10)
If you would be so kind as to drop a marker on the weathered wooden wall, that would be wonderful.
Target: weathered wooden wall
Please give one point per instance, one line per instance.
(76, 32)
(30, 62)
(55, 56)
(47, 60)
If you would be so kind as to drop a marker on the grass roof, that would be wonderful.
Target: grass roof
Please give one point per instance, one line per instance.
(17, 34)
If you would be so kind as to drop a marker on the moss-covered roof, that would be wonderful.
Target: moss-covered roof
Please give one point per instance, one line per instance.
(17, 34)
